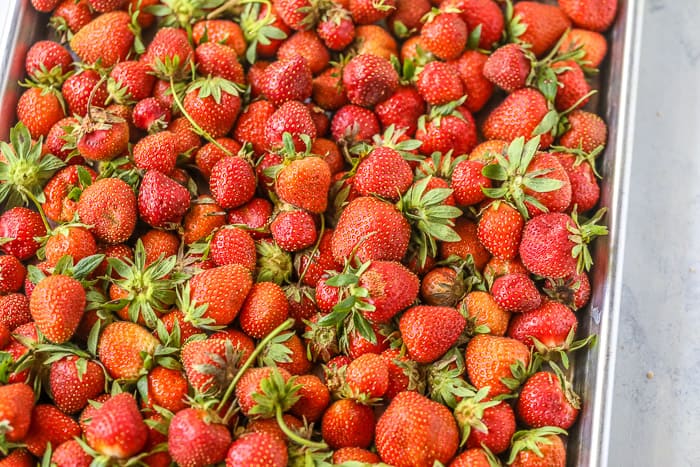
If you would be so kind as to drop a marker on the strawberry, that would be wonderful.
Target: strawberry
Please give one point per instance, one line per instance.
(102, 6)
(188, 141)
(59, 206)
(47, 61)
(314, 398)
(478, 89)
(383, 172)
(518, 116)
(573, 87)
(327, 91)
(212, 104)
(455, 131)
(585, 191)
(368, 12)
(367, 377)
(122, 348)
(74, 382)
(208, 362)
(70, 454)
(117, 429)
(304, 183)
(150, 115)
(355, 232)
(508, 67)
(516, 292)
(549, 323)
(56, 141)
(15, 308)
(250, 387)
(336, 29)
(250, 126)
(294, 230)
(49, 426)
(538, 448)
(44, 6)
(223, 289)
(574, 291)
(482, 310)
(308, 45)
(439, 83)
(402, 109)
(547, 399)
(69, 17)
(343, 455)
(78, 90)
(294, 118)
(593, 44)
(595, 15)
(220, 31)
(170, 53)
(374, 39)
(16, 403)
(208, 155)
(467, 182)
(444, 35)
(485, 14)
(287, 80)
(294, 13)
(536, 24)
(441, 286)
(429, 331)
(347, 423)
(255, 214)
(353, 124)
(167, 388)
(197, 440)
(161, 200)
(214, 59)
(475, 457)
(108, 38)
(488, 424)
(101, 135)
(39, 109)
(12, 274)
(492, 359)
(257, 447)
(57, 304)
(232, 245)
(19, 227)
(156, 152)
(329, 151)
(232, 182)
(416, 431)
(369, 79)
(585, 131)
(109, 206)
(264, 309)
(500, 229)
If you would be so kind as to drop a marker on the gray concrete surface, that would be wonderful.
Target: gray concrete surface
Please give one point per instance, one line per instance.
(656, 410)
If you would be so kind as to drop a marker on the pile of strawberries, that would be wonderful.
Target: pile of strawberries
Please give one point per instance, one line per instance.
(299, 232)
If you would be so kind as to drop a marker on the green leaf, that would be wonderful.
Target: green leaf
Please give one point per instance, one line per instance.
(548, 123)
(494, 172)
(342, 280)
(542, 185)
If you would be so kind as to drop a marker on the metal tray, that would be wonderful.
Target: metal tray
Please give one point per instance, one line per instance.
(594, 370)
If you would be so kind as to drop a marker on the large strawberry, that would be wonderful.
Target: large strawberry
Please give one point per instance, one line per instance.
(74, 382)
(109, 206)
(49, 426)
(293, 118)
(496, 362)
(287, 80)
(122, 348)
(303, 180)
(500, 229)
(196, 439)
(117, 429)
(108, 38)
(162, 200)
(57, 305)
(547, 399)
(223, 290)
(429, 331)
(213, 105)
(369, 79)
(347, 423)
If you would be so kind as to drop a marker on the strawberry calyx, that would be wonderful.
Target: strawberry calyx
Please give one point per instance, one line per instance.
(257, 30)
(182, 13)
(514, 27)
(439, 165)
(275, 351)
(394, 139)
(194, 314)
(51, 78)
(438, 111)
(530, 440)
(563, 290)
(555, 122)
(322, 341)
(550, 353)
(582, 233)
(582, 156)
(512, 172)
(567, 387)
(273, 263)
(444, 379)
(222, 371)
(470, 411)
(520, 373)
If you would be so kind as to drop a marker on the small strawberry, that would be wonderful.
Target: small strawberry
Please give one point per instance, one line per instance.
(188, 141)
(162, 200)
(550, 324)
(250, 126)
(416, 431)
(78, 89)
(439, 83)
(57, 304)
(167, 388)
(516, 292)
(209, 363)
(538, 448)
(117, 429)
(49, 426)
(348, 454)
(232, 245)
(122, 348)
(303, 182)
(336, 29)
(508, 67)
(478, 89)
(368, 12)
(69, 17)
(130, 80)
(594, 15)
(475, 457)
(101, 135)
(447, 129)
(47, 62)
(70, 454)
(255, 215)
(74, 241)
(353, 124)
(573, 87)
(195, 438)
(295, 13)
(294, 118)
(170, 53)
(16, 403)
(314, 398)
(286, 80)
(59, 192)
(579, 167)
(212, 152)
(232, 182)
(483, 14)
(150, 115)
(294, 230)
(519, 115)
(255, 447)
(12, 274)
(73, 382)
(108, 38)
(15, 308)
(367, 377)
(327, 90)
(500, 229)
(109, 206)
(492, 361)
(347, 423)
(19, 227)
(369, 79)
(39, 109)
(44, 6)
(213, 59)
(429, 331)
(102, 6)
(574, 291)
(156, 152)
(467, 182)
(402, 109)
(444, 34)
(383, 172)
(213, 104)
(220, 31)
(482, 310)
(536, 24)
(547, 399)
(223, 289)
(489, 424)
(585, 131)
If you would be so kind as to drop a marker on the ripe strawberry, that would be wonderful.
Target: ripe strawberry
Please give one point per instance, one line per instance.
(251, 383)
(585, 191)
(213, 104)
(478, 89)
(46, 58)
(208, 155)
(39, 109)
(367, 377)
(304, 183)
(101, 135)
(347, 423)
(485, 424)
(314, 398)
(59, 206)
(508, 67)
(444, 35)
(454, 132)
(467, 182)
(220, 31)
(416, 431)
(353, 124)
(213, 59)
(188, 141)
(232, 182)
(372, 230)
(595, 15)
(586, 131)
(73, 384)
(348, 454)
(69, 17)
(16, 402)
(44, 6)
(12, 274)
(150, 115)
(369, 79)
(57, 138)
(195, 439)
(483, 311)
(294, 230)
(70, 454)
(169, 53)
(117, 429)
(57, 304)
(402, 109)
(550, 324)
(20, 227)
(429, 331)
(518, 115)
(490, 359)
(257, 447)
(573, 86)
(538, 448)
(308, 45)
(574, 291)
(286, 80)
(109, 206)
(294, 118)
(167, 388)
(108, 38)
(547, 399)
(475, 457)
(156, 152)
(15, 307)
(223, 289)
(537, 24)
(336, 29)
(516, 292)
(232, 245)
(122, 347)
(161, 200)
(480, 13)
(102, 6)
(383, 172)
(208, 362)
(439, 83)
(293, 13)
(250, 126)
(264, 309)
(255, 214)
(368, 12)
(49, 425)
(500, 229)
(327, 90)
(593, 44)
(78, 90)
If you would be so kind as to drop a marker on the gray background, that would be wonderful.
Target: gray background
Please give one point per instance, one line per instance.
(656, 421)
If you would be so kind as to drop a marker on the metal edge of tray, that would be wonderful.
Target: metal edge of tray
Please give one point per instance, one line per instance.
(588, 442)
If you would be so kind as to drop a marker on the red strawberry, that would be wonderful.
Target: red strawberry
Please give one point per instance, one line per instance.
(367, 376)
(347, 423)
(327, 90)
(439, 83)
(475, 457)
(107, 38)
(454, 132)
(57, 305)
(232, 245)
(490, 359)
(444, 35)
(486, 14)
(573, 86)
(478, 89)
(130, 80)
(596, 15)
(593, 44)
(16, 403)
(537, 24)
(402, 109)
(44, 6)
(70, 454)
(500, 230)
(294, 230)
(548, 400)
(156, 152)
(368, 12)
(518, 115)
(304, 183)
(49, 425)
(293, 14)
(391, 288)
(586, 131)
(208, 362)
(255, 447)
(213, 104)
(353, 124)
(78, 89)
(516, 292)
(150, 115)
(69, 17)
(383, 172)
(169, 53)
(336, 29)
(314, 398)
(250, 126)
(416, 431)
(308, 45)
(223, 289)
(167, 388)
(232, 182)
(585, 191)
(294, 118)
(265, 308)
(122, 347)
(369, 79)
(286, 80)
(354, 454)
(117, 429)
(406, 17)
(467, 182)
(39, 109)
(429, 331)
(213, 59)
(102, 6)
(220, 31)
(508, 67)
(550, 324)
(538, 448)
(12, 274)
(20, 227)
(485, 424)
(251, 384)
(196, 440)
(71, 386)
(109, 206)
(188, 141)
(59, 207)
(15, 307)
(44, 57)
(208, 155)
(255, 214)
(556, 200)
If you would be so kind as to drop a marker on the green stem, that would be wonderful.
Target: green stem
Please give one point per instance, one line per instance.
(292, 435)
(313, 252)
(38, 207)
(263, 343)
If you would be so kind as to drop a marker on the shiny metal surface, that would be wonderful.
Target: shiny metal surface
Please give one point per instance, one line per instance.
(593, 370)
